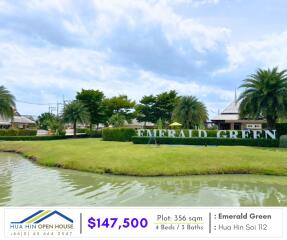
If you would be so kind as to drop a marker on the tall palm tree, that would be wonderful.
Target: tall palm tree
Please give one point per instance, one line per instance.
(7, 103)
(190, 112)
(75, 112)
(264, 95)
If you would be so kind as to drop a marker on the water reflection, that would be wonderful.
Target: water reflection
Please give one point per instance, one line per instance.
(23, 183)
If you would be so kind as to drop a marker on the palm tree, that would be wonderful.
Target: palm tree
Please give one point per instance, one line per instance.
(7, 103)
(190, 112)
(117, 120)
(264, 95)
(75, 112)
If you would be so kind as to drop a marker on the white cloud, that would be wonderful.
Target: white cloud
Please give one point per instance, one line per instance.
(53, 72)
(268, 52)
(58, 47)
(141, 14)
(195, 3)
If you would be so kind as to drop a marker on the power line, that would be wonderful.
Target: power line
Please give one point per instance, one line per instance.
(56, 107)
(33, 103)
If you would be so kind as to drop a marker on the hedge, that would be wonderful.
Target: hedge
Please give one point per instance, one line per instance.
(40, 138)
(32, 138)
(94, 133)
(118, 134)
(283, 141)
(82, 130)
(281, 129)
(17, 132)
(90, 133)
(208, 141)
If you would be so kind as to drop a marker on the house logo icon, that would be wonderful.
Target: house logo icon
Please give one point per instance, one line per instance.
(42, 215)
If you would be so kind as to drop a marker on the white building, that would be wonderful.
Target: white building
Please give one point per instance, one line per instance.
(18, 121)
(229, 119)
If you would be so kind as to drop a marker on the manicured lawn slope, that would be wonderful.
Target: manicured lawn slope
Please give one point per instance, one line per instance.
(95, 155)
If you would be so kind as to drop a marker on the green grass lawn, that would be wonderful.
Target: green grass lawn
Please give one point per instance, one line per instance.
(95, 155)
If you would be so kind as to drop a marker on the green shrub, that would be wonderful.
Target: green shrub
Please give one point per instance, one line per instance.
(94, 133)
(90, 133)
(17, 132)
(118, 134)
(83, 130)
(32, 138)
(208, 141)
(40, 138)
(283, 141)
(281, 129)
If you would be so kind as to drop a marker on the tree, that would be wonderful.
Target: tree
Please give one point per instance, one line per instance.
(159, 124)
(117, 120)
(93, 100)
(164, 106)
(119, 105)
(190, 112)
(44, 120)
(57, 126)
(264, 95)
(152, 108)
(7, 103)
(145, 111)
(75, 112)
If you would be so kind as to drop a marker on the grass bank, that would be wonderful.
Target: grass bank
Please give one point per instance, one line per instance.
(95, 155)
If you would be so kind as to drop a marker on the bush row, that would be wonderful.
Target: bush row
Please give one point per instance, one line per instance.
(283, 141)
(32, 138)
(281, 129)
(39, 138)
(17, 132)
(90, 133)
(118, 134)
(207, 141)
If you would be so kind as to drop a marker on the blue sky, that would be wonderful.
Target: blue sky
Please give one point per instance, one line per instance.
(51, 49)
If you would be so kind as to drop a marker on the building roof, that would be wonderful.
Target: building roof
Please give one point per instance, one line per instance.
(232, 108)
(4, 120)
(226, 117)
(230, 113)
(16, 119)
(136, 124)
(22, 120)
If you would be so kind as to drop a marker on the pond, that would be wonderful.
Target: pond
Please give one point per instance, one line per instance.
(24, 183)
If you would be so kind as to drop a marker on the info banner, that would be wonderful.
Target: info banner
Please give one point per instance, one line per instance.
(142, 223)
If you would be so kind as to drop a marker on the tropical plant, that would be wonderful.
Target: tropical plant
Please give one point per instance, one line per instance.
(44, 119)
(159, 124)
(264, 95)
(164, 106)
(93, 100)
(57, 126)
(117, 120)
(119, 105)
(75, 112)
(190, 112)
(7, 103)
(145, 111)
(152, 108)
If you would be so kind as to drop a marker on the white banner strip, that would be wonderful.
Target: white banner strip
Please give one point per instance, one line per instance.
(142, 222)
